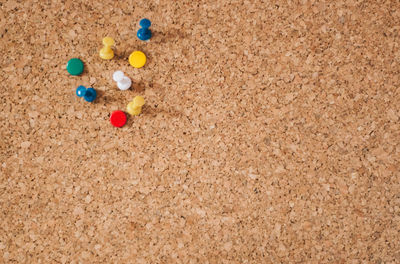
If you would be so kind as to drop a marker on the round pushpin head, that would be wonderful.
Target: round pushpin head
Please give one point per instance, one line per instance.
(118, 76)
(145, 23)
(137, 59)
(144, 34)
(118, 118)
(75, 66)
(138, 101)
(90, 95)
(124, 84)
(80, 91)
(108, 41)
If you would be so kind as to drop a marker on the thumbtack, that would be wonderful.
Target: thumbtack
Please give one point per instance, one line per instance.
(123, 82)
(106, 53)
(144, 33)
(88, 94)
(135, 107)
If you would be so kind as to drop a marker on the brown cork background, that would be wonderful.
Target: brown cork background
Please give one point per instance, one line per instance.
(270, 133)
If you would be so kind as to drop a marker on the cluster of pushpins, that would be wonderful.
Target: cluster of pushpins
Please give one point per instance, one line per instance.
(137, 59)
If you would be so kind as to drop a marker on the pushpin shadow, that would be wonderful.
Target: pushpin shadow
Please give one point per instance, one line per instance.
(85, 70)
(170, 35)
(154, 110)
(134, 119)
(138, 86)
(100, 97)
(121, 54)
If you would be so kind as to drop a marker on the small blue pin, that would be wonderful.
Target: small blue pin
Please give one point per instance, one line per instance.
(88, 94)
(144, 33)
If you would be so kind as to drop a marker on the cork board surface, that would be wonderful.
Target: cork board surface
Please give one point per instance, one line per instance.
(270, 133)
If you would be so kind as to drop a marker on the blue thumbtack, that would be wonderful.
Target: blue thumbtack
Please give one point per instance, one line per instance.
(88, 94)
(144, 33)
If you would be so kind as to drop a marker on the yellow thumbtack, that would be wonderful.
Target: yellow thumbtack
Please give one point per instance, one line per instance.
(135, 107)
(137, 59)
(106, 53)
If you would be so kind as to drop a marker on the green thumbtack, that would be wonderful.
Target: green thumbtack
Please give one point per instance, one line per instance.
(75, 66)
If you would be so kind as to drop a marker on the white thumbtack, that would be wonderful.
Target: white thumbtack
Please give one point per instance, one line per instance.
(123, 82)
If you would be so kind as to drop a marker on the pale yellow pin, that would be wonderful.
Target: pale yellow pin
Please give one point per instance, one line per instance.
(106, 53)
(135, 107)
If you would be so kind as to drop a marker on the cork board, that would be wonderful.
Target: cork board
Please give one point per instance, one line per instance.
(270, 133)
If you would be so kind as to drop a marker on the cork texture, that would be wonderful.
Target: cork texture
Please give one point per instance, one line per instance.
(270, 134)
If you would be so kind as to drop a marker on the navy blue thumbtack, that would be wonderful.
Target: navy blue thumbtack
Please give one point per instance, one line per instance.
(144, 33)
(88, 94)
